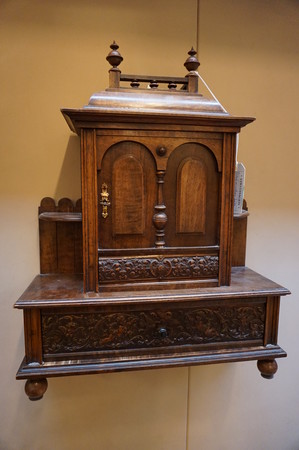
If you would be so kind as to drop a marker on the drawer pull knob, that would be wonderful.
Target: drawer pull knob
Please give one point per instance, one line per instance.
(163, 332)
(161, 151)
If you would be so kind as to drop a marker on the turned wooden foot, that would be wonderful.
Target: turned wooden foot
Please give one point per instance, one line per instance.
(267, 367)
(35, 389)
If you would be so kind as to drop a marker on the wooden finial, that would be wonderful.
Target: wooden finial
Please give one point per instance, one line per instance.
(191, 65)
(192, 62)
(114, 57)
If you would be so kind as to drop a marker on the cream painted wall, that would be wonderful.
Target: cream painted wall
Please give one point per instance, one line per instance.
(53, 55)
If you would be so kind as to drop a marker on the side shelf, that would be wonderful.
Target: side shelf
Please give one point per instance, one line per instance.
(60, 229)
(60, 234)
(61, 217)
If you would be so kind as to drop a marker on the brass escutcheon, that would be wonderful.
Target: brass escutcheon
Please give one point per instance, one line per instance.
(104, 200)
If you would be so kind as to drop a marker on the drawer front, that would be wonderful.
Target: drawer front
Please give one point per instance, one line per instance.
(147, 328)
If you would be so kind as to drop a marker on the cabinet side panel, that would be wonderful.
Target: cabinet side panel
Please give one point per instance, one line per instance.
(32, 334)
(89, 210)
(239, 241)
(227, 205)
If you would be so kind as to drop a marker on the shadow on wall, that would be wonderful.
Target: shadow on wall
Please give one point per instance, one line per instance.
(68, 184)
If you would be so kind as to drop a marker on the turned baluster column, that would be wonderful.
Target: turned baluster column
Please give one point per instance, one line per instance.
(160, 217)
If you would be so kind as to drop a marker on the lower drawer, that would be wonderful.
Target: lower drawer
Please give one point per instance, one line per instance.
(137, 328)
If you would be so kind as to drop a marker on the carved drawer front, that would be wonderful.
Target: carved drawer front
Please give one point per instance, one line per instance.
(147, 328)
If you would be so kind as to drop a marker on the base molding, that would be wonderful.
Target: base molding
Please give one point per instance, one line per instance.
(88, 367)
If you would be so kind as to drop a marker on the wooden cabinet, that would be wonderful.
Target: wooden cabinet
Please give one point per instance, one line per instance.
(157, 287)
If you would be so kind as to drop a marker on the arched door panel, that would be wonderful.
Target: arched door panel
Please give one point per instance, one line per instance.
(128, 174)
(191, 194)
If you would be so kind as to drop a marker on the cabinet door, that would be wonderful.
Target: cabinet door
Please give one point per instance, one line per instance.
(192, 197)
(128, 175)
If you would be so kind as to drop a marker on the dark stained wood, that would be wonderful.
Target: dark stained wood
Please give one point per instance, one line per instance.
(272, 320)
(227, 205)
(128, 193)
(60, 236)
(175, 183)
(65, 239)
(160, 217)
(157, 242)
(89, 210)
(191, 190)
(47, 237)
(33, 333)
(130, 330)
(64, 290)
(170, 81)
(84, 367)
(267, 367)
(61, 217)
(175, 328)
(239, 239)
(128, 169)
(36, 388)
(78, 254)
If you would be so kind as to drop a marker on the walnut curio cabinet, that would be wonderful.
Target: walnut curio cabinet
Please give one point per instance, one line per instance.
(148, 269)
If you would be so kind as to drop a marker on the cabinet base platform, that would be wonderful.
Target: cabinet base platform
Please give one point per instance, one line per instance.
(71, 333)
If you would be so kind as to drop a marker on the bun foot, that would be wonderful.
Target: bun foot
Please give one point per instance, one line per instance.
(267, 367)
(35, 389)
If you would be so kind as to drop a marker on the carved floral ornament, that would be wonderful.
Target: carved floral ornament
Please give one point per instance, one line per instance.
(157, 268)
(137, 329)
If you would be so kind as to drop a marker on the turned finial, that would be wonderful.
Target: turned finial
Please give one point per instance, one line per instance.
(191, 65)
(192, 62)
(114, 57)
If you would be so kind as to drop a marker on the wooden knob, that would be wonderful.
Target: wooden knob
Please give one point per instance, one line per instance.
(161, 151)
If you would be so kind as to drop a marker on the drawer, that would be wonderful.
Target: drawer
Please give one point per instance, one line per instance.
(137, 328)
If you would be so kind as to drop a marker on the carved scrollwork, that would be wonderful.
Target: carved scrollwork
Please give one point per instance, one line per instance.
(96, 331)
(180, 267)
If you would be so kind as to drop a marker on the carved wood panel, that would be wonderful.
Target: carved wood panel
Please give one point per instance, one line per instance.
(157, 267)
(123, 330)
(191, 197)
(128, 169)
(128, 196)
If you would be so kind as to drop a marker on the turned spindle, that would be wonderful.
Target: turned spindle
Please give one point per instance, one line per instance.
(160, 217)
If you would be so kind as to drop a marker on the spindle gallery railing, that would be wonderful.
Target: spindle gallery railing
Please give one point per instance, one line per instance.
(188, 83)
